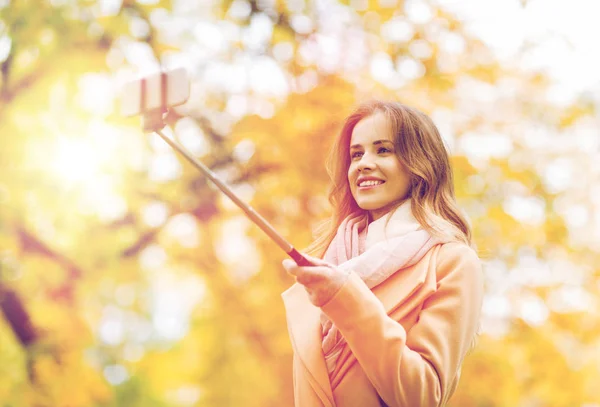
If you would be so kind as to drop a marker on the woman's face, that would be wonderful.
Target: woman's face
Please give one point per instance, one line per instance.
(377, 178)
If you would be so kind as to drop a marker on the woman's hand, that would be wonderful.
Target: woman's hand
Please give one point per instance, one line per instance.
(322, 281)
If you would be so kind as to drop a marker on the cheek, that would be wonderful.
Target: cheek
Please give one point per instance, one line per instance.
(351, 173)
(403, 176)
(352, 176)
(406, 179)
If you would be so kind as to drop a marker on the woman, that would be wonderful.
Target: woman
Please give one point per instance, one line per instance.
(391, 305)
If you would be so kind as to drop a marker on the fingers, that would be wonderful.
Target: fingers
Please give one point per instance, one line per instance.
(316, 261)
(311, 277)
(290, 266)
(305, 275)
(321, 280)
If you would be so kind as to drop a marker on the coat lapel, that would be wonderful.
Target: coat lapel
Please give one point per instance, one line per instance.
(305, 333)
(404, 290)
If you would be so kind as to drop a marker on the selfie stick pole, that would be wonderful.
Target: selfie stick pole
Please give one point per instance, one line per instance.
(153, 121)
(252, 214)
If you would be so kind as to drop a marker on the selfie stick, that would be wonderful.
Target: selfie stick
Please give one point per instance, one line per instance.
(153, 121)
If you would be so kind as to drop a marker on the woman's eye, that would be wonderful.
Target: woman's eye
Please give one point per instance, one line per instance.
(356, 154)
(383, 150)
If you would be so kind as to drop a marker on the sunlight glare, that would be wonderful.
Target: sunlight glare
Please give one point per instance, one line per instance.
(88, 164)
(96, 93)
(75, 161)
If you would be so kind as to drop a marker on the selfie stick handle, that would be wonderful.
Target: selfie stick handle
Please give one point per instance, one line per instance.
(252, 214)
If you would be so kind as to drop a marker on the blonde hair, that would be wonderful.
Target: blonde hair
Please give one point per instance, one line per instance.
(420, 148)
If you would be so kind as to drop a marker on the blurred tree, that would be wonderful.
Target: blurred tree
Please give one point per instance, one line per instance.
(125, 273)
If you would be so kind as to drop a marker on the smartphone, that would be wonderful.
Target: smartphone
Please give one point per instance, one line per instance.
(170, 88)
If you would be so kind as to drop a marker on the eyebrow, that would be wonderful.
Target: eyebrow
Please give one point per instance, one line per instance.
(376, 142)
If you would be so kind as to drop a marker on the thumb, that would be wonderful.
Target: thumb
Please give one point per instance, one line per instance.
(288, 264)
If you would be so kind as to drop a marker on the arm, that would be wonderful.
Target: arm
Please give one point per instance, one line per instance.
(417, 368)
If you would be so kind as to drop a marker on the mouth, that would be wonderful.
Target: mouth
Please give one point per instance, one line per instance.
(371, 184)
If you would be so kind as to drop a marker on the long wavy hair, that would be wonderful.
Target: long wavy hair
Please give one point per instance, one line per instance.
(420, 148)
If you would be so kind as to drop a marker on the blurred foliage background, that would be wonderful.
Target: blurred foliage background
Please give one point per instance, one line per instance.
(128, 280)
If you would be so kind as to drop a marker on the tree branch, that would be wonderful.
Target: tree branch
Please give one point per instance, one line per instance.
(32, 244)
(143, 242)
(17, 316)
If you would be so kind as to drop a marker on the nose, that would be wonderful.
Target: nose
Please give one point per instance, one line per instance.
(366, 162)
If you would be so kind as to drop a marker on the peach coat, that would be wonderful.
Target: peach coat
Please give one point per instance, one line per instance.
(406, 339)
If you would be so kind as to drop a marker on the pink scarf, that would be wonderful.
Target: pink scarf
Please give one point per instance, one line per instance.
(374, 252)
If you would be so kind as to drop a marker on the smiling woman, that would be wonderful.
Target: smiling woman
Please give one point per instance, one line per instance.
(388, 311)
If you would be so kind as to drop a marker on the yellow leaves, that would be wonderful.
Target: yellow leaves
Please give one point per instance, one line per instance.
(555, 229)
(171, 371)
(488, 367)
(572, 114)
(462, 169)
(531, 363)
(283, 34)
(307, 122)
(54, 87)
(286, 171)
(57, 324)
(13, 384)
(375, 11)
(58, 369)
(488, 74)
(44, 273)
(63, 379)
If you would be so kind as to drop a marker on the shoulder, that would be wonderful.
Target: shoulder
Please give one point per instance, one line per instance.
(457, 258)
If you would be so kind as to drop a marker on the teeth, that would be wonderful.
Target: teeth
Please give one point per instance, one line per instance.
(369, 183)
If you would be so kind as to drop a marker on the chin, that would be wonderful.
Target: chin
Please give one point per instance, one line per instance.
(370, 206)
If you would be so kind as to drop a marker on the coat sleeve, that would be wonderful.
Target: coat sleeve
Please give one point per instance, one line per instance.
(421, 367)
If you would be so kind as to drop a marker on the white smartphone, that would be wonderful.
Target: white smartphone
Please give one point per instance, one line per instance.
(146, 94)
